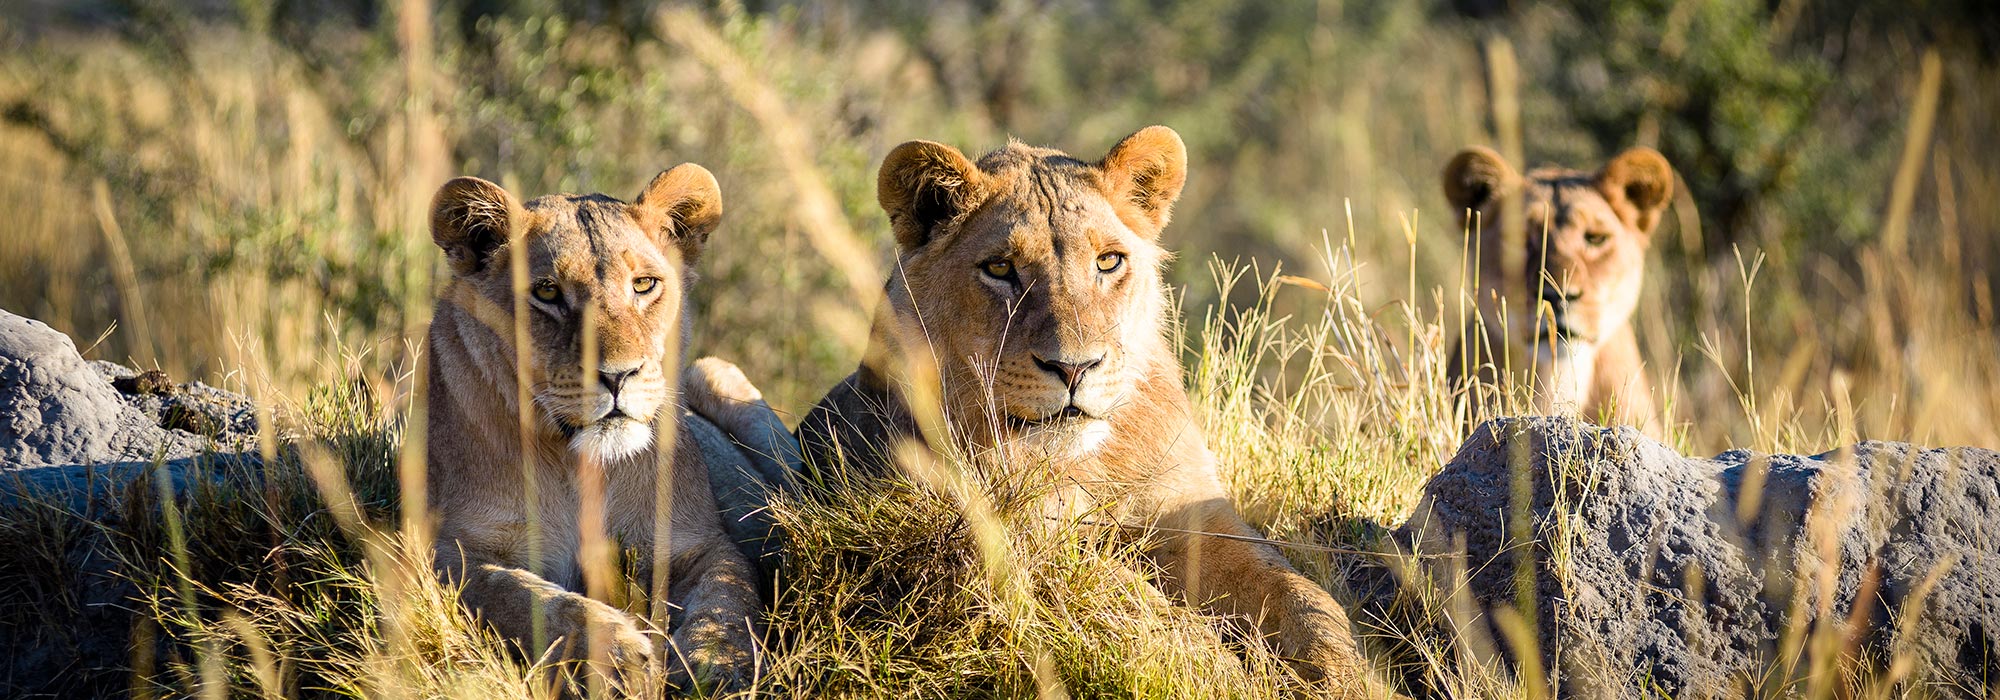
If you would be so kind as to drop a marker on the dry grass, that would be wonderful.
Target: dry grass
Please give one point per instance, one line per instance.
(241, 214)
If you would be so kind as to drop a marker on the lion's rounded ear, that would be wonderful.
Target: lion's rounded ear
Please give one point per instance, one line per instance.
(1475, 177)
(1147, 171)
(471, 218)
(1638, 184)
(680, 208)
(924, 185)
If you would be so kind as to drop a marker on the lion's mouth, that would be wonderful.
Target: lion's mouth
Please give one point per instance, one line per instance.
(1067, 414)
(570, 427)
(1561, 332)
(1069, 433)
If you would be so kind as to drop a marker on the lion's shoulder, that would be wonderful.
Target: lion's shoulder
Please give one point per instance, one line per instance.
(854, 427)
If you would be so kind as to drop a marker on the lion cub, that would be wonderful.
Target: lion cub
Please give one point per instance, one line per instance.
(627, 267)
(1586, 238)
(1033, 279)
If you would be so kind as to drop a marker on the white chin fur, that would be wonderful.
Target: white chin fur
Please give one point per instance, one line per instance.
(612, 440)
(1089, 437)
(1563, 376)
(1068, 440)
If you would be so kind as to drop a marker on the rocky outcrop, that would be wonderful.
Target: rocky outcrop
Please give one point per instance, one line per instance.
(1651, 572)
(69, 427)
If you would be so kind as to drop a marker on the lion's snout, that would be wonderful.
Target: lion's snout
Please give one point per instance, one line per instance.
(630, 392)
(1559, 298)
(1566, 313)
(611, 426)
(1056, 386)
(1069, 370)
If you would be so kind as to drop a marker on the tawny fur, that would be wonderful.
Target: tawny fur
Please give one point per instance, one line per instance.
(596, 250)
(1586, 237)
(1119, 435)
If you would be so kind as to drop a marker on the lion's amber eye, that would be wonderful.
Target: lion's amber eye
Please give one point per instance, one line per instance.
(1110, 262)
(999, 269)
(546, 291)
(1596, 238)
(645, 285)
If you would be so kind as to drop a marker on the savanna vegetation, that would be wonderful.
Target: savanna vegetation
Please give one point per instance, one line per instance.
(238, 192)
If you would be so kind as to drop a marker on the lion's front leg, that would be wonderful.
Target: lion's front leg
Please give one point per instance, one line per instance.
(714, 637)
(577, 627)
(1251, 582)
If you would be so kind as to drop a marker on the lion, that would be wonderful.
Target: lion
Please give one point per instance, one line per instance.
(1034, 281)
(615, 276)
(1586, 236)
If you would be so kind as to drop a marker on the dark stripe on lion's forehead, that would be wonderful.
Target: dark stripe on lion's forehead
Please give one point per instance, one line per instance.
(594, 218)
(594, 222)
(1559, 203)
(1050, 198)
(1560, 189)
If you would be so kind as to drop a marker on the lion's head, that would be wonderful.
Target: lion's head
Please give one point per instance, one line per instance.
(593, 262)
(1033, 279)
(1582, 257)
(1586, 235)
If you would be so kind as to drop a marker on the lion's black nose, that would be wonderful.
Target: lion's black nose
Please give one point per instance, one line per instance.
(1070, 372)
(614, 380)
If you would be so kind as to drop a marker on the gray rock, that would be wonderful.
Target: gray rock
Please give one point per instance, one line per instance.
(1655, 573)
(56, 410)
(68, 432)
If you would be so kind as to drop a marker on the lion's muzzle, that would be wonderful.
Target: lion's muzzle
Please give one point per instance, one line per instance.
(613, 418)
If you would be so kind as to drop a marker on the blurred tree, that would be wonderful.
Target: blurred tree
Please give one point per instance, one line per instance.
(1705, 82)
(1746, 96)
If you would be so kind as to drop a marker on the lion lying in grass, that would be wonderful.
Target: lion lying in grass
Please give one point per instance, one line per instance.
(1033, 281)
(607, 283)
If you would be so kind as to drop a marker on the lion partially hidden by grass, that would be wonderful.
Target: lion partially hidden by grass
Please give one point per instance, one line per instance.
(1582, 254)
(1032, 280)
(606, 283)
